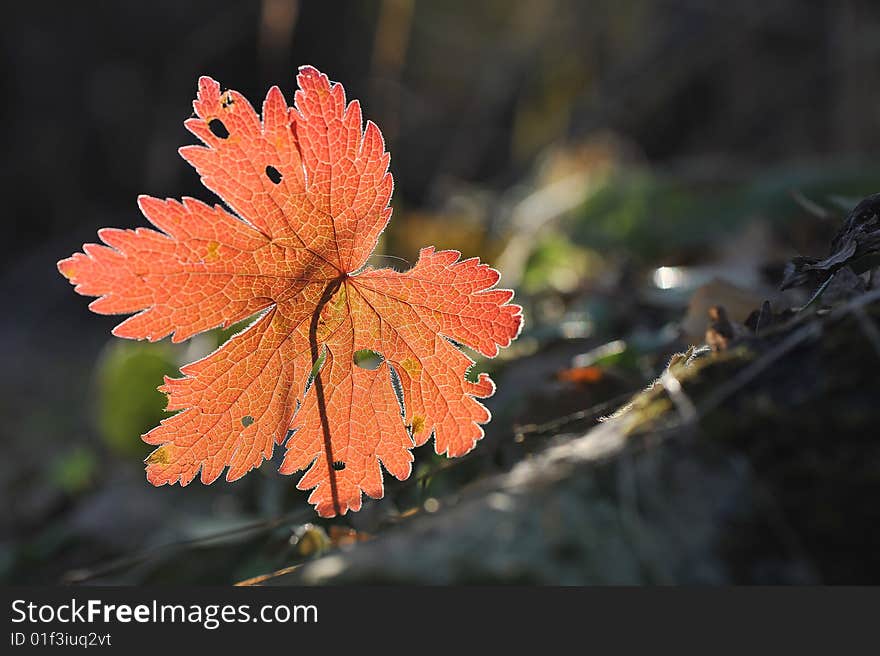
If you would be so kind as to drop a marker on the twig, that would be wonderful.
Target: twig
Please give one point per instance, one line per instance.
(812, 329)
(817, 293)
(85, 574)
(593, 412)
(262, 578)
(809, 205)
(749, 373)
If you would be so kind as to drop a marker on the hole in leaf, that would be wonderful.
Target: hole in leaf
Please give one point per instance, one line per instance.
(315, 369)
(397, 386)
(368, 359)
(338, 465)
(247, 420)
(273, 174)
(319, 363)
(218, 129)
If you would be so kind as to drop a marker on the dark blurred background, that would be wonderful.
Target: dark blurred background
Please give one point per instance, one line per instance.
(602, 154)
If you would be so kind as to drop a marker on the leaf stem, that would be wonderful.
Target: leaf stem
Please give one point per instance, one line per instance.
(329, 291)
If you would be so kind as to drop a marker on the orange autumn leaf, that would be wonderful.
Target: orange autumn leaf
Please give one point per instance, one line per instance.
(309, 190)
(581, 375)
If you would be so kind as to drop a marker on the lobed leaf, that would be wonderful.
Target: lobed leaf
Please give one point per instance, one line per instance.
(309, 187)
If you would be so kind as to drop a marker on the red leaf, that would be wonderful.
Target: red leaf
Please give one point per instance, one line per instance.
(310, 190)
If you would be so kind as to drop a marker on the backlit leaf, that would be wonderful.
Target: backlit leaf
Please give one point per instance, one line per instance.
(309, 190)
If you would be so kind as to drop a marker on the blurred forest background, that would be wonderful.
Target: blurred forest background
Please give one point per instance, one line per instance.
(625, 164)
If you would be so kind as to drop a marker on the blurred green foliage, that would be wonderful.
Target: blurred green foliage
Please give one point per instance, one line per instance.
(220, 335)
(74, 471)
(556, 263)
(367, 359)
(650, 216)
(128, 402)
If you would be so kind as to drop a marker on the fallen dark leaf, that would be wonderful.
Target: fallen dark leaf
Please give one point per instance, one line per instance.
(859, 238)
